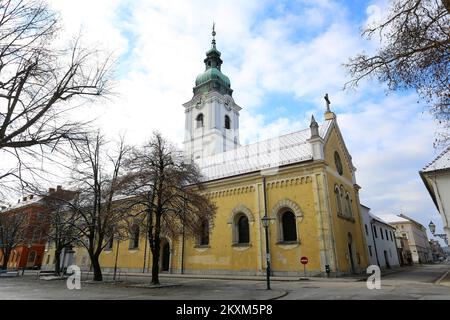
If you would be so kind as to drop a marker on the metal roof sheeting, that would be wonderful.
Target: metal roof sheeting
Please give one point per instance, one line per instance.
(272, 153)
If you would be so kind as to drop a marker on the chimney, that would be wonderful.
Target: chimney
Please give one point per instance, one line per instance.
(58, 188)
(51, 190)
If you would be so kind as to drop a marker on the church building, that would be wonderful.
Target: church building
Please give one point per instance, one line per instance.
(300, 188)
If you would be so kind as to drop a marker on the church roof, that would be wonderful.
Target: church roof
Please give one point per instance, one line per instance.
(441, 162)
(269, 154)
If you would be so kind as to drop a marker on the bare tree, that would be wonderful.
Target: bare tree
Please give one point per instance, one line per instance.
(167, 194)
(13, 227)
(97, 208)
(39, 84)
(61, 222)
(414, 53)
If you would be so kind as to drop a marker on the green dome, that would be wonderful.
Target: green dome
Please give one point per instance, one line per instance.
(212, 74)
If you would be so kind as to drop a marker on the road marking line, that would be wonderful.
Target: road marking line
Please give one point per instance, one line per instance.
(441, 278)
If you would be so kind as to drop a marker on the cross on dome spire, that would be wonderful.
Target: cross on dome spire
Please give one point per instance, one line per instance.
(213, 42)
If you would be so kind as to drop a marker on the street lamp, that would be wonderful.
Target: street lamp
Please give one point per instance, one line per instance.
(443, 236)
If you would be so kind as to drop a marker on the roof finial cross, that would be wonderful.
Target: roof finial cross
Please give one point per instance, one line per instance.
(213, 34)
(327, 101)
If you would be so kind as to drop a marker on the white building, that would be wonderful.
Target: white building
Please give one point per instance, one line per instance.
(380, 239)
(415, 233)
(436, 177)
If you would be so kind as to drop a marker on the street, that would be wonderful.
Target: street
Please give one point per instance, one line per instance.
(416, 282)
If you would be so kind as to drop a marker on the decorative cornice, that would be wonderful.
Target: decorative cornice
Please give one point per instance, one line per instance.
(231, 191)
(281, 183)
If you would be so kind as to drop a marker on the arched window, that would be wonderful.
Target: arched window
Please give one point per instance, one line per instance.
(199, 120)
(338, 200)
(243, 230)
(204, 235)
(227, 122)
(289, 227)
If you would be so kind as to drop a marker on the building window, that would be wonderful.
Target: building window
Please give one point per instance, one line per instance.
(199, 120)
(36, 236)
(32, 257)
(227, 122)
(392, 239)
(243, 230)
(370, 250)
(48, 259)
(349, 206)
(134, 242)
(338, 163)
(204, 233)
(381, 232)
(367, 229)
(338, 200)
(110, 243)
(289, 228)
(387, 235)
(375, 231)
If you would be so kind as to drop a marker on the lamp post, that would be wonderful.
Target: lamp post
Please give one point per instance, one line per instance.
(443, 236)
(265, 221)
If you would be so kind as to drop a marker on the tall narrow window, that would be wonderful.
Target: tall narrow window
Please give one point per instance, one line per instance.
(199, 120)
(134, 242)
(32, 257)
(381, 232)
(349, 206)
(387, 235)
(367, 230)
(375, 231)
(243, 230)
(227, 122)
(289, 227)
(338, 200)
(110, 243)
(204, 236)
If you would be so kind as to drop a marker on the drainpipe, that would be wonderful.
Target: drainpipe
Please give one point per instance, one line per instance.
(374, 242)
(183, 239)
(182, 251)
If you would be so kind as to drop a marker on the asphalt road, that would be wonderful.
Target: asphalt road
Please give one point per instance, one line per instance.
(410, 283)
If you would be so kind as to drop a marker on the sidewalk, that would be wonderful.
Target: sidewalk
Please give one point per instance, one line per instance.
(125, 275)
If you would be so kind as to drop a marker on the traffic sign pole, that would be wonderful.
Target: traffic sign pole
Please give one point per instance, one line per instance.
(304, 261)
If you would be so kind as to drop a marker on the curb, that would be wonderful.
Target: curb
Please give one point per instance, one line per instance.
(280, 296)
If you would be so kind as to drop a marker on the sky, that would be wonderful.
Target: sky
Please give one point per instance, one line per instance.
(281, 58)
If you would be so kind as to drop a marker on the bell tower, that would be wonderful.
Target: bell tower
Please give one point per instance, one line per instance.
(211, 116)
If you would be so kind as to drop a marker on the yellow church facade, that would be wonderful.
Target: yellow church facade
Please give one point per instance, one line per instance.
(303, 181)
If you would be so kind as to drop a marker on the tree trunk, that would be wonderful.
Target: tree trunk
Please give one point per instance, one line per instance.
(155, 262)
(58, 262)
(97, 269)
(5, 260)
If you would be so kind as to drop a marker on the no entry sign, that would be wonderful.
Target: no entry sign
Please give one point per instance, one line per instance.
(304, 260)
